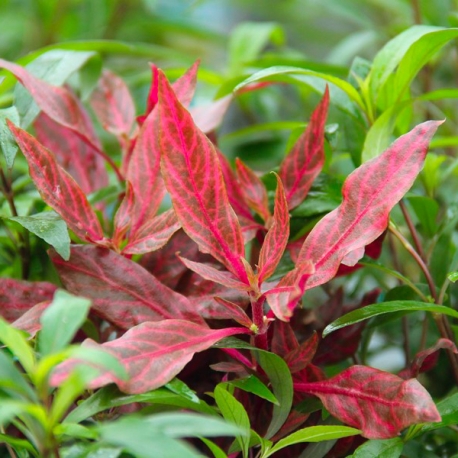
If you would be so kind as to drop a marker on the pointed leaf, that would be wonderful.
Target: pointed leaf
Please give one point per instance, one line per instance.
(303, 164)
(123, 217)
(235, 312)
(277, 238)
(218, 276)
(30, 320)
(113, 105)
(208, 117)
(378, 403)
(300, 357)
(122, 291)
(7, 144)
(57, 187)
(154, 234)
(385, 448)
(369, 193)
(152, 353)
(193, 177)
(50, 227)
(76, 156)
(18, 296)
(253, 190)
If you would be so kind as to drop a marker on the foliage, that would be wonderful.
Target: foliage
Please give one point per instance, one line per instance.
(155, 296)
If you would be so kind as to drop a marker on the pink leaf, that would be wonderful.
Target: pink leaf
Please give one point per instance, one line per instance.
(19, 296)
(75, 155)
(378, 403)
(122, 291)
(283, 298)
(123, 217)
(194, 180)
(57, 102)
(369, 193)
(57, 188)
(303, 164)
(153, 353)
(253, 190)
(277, 238)
(425, 360)
(113, 105)
(218, 276)
(234, 312)
(30, 321)
(207, 118)
(154, 234)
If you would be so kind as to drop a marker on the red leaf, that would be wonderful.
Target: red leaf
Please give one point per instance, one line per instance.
(425, 360)
(284, 340)
(57, 188)
(123, 217)
(253, 190)
(122, 291)
(153, 353)
(378, 403)
(303, 164)
(154, 234)
(300, 357)
(218, 276)
(276, 239)
(57, 102)
(283, 298)
(75, 155)
(234, 312)
(194, 180)
(18, 296)
(113, 105)
(30, 321)
(369, 193)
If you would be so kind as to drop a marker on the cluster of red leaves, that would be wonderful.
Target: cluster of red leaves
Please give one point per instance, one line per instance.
(158, 306)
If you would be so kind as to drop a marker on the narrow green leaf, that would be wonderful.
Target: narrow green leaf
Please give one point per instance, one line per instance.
(11, 380)
(17, 343)
(178, 387)
(217, 452)
(234, 412)
(50, 227)
(313, 434)
(252, 384)
(386, 448)
(61, 320)
(426, 209)
(386, 307)
(7, 143)
(453, 276)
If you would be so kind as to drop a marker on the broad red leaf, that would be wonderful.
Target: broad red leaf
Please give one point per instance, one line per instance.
(76, 156)
(253, 190)
(122, 291)
(30, 321)
(283, 298)
(57, 102)
(425, 360)
(369, 193)
(378, 403)
(113, 105)
(276, 239)
(57, 188)
(154, 234)
(194, 180)
(303, 164)
(18, 296)
(153, 353)
(283, 340)
(300, 357)
(213, 274)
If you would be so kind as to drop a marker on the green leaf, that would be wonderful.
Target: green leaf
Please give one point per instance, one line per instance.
(453, 276)
(7, 143)
(11, 380)
(54, 67)
(234, 412)
(387, 448)
(50, 227)
(282, 386)
(252, 384)
(75, 430)
(10, 409)
(313, 434)
(217, 452)
(90, 450)
(248, 39)
(110, 397)
(61, 320)
(273, 73)
(135, 435)
(370, 311)
(409, 51)
(426, 210)
(17, 343)
(178, 387)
